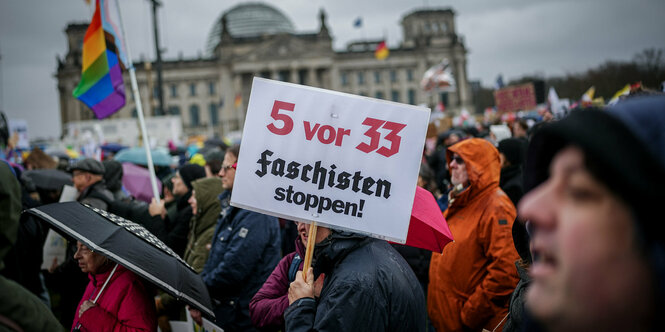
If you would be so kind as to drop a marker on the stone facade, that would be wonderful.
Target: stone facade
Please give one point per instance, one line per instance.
(210, 93)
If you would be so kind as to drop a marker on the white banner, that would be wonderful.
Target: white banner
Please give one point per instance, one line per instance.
(344, 161)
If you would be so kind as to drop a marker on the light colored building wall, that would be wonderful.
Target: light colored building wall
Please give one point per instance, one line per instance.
(305, 58)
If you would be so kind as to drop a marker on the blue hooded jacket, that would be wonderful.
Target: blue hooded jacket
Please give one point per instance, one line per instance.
(245, 249)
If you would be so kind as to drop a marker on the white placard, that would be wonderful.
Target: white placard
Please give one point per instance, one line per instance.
(55, 246)
(54, 250)
(69, 194)
(344, 161)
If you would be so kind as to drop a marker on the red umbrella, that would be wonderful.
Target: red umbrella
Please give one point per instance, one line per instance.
(427, 229)
(136, 180)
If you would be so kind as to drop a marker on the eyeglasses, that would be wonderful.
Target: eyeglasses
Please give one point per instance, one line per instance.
(228, 167)
(457, 159)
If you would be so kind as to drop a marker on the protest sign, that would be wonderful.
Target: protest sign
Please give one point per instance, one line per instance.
(344, 161)
(515, 98)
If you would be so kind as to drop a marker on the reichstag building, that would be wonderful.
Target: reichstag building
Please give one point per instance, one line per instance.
(254, 39)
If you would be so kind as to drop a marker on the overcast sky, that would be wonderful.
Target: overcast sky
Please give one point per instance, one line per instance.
(511, 37)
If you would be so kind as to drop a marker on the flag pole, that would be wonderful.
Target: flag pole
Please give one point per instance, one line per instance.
(139, 108)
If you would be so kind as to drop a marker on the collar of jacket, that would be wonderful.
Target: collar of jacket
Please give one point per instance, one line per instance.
(99, 279)
(332, 250)
(92, 187)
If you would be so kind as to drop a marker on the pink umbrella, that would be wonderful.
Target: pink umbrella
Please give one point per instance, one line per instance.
(136, 180)
(427, 229)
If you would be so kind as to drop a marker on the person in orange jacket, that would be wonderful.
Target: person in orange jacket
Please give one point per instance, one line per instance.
(472, 279)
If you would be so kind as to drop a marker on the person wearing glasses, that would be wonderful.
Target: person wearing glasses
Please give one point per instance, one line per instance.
(66, 277)
(115, 299)
(472, 279)
(245, 249)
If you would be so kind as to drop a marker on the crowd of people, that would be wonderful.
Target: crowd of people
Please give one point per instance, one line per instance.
(555, 228)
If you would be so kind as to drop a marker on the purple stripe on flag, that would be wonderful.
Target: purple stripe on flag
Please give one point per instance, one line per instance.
(109, 105)
(116, 79)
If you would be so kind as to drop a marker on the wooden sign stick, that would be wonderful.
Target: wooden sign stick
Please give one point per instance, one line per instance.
(311, 241)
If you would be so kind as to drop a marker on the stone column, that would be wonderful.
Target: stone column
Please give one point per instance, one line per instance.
(239, 111)
(311, 77)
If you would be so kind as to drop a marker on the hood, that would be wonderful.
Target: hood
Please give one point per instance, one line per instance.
(206, 191)
(10, 210)
(482, 162)
(334, 248)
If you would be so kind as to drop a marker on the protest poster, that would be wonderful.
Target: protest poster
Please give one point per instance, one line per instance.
(344, 161)
(515, 98)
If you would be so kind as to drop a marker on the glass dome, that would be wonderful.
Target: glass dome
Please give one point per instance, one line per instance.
(249, 20)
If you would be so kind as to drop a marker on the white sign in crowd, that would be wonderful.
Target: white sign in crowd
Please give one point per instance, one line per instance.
(344, 161)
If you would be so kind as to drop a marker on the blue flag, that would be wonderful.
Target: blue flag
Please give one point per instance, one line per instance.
(358, 22)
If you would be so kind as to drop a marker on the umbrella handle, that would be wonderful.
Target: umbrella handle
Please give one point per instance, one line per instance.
(311, 241)
(105, 283)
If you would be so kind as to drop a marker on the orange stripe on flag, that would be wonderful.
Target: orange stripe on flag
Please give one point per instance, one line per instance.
(93, 42)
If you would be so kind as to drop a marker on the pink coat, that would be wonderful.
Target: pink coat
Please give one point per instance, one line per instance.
(125, 305)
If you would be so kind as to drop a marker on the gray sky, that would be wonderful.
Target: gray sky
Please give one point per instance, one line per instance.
(511, 37)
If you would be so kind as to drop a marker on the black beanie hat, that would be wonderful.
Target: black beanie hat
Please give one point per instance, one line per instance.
(514, 149)
(191, 172)
(628, 158)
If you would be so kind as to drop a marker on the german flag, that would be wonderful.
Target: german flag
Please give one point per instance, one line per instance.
(381, 51)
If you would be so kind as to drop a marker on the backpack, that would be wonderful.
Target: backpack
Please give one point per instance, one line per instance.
(293, 268)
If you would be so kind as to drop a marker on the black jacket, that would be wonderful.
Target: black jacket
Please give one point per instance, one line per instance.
(511, 183)
(171, 230)
(96, 195)
(367, 287)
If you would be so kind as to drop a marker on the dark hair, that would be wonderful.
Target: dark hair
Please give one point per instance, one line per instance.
(215, 166)
(522, 123)
(234, 150)
(429, 178)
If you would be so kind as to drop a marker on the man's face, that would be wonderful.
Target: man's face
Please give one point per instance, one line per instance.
(228, 171)
(586, 267)
(179, 187)
(81, 180)
(458, 174)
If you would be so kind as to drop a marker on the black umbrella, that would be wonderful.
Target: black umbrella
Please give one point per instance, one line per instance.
(130, 245)
(216, 142)
(48, 179)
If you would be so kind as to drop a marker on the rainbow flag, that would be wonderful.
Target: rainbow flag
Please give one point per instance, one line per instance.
(101, 86)
(381, 51)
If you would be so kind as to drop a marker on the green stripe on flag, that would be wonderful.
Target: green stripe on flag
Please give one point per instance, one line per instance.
(94, 73)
